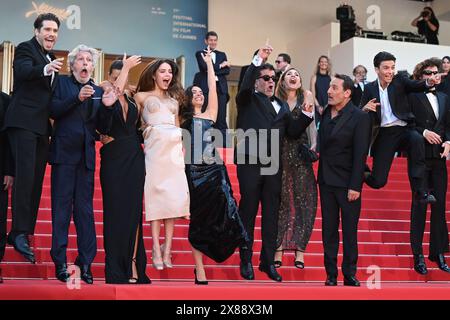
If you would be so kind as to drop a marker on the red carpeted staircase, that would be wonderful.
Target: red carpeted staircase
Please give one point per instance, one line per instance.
(383, 242)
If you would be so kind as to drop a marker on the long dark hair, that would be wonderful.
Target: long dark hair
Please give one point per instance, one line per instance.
(186, 112)
(281, 91)
(147, 83)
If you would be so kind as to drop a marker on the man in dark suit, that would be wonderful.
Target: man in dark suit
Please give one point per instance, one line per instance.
(262, 122)
(27, 123)
(282, 63)
(360, 73)
(386, 100)
(432, 112)
(221, 69)
(344, 137)
(77, 111)
(6, 175)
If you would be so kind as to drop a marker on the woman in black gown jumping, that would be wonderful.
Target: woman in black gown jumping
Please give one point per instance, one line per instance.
(215, 228)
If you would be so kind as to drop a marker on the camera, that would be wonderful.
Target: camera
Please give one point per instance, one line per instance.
(425, 14)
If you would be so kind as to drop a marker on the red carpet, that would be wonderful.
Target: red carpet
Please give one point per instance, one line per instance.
(383, 242)
(159, 290)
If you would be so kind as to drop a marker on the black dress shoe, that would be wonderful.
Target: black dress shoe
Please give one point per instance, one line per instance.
(61, 272)
(85, 272)
(440, 260)
(247, 271)
(271, 271)
(351, 281)
(424, 197)
(21, 244)
(331, 281)
(419, 264)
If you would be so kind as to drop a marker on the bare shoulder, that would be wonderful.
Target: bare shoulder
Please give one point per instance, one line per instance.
(140, 97)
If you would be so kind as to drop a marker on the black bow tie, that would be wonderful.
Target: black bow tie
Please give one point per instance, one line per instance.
(431, 91)
(272, 98)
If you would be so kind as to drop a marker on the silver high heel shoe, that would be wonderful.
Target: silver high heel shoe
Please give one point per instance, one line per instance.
(168, 264)
(157, 266)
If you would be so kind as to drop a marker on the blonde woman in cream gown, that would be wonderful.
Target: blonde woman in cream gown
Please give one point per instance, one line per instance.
(166, 191)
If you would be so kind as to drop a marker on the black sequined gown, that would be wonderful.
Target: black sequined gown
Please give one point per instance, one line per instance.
(215, 228)
(298, 195)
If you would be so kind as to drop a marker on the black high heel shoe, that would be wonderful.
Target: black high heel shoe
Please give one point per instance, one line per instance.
(133, 280)
(297, 263)
(204, 282)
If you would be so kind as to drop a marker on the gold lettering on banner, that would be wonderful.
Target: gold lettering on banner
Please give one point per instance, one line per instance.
(62, 14)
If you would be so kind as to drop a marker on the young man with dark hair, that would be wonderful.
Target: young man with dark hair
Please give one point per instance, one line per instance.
(27, 124)
(345, 136)
(282, 63)
(221, 69)
(386, 100)
(432, 112)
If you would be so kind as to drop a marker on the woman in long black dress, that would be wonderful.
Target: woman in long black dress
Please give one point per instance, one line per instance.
(122, 176)
(215, 228)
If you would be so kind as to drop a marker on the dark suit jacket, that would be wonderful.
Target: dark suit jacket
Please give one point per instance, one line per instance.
(357, 94)
(255, 111)
(32, 91)
(201, 79)
(6, 160)
(241, 76)
(398, 91)
(343, 154)
(426, 119)
(444, 86)
(74, 129)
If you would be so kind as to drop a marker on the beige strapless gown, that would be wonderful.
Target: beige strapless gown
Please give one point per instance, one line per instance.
(166, 190)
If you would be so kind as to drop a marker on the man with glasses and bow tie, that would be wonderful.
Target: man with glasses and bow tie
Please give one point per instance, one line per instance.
(221, 70)
(27, 124)
(432, 112)
(262, 122)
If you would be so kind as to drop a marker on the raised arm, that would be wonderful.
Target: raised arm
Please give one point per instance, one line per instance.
(128, 64)
(248, 82)
(213, 104)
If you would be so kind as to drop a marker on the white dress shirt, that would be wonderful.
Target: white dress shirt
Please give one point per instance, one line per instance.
(388, 119)
(435, 105)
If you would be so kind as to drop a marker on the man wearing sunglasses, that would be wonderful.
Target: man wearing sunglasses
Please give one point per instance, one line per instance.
(282, 63)
(432, 112)
(262, 122)
(386, 100)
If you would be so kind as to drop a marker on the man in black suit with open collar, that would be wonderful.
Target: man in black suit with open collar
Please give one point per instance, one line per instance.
(386, 100)
(221, 70)
(27, 124)
(6, 175)
(262, 122)
(344, 137)
(432, 112)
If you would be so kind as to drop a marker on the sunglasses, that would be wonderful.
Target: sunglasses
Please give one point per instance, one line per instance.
(429, 72)
(267, 78)
(278, 61)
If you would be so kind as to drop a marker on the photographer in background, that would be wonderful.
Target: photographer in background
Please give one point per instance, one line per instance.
(427, 25)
